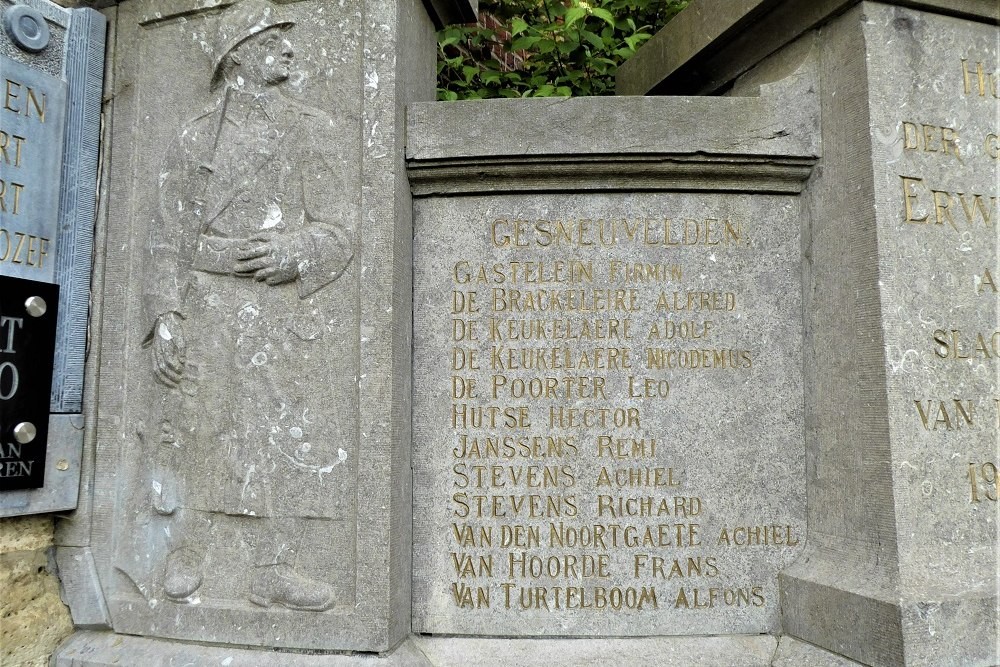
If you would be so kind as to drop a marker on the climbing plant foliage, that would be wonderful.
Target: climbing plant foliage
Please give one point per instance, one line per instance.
(543, 48)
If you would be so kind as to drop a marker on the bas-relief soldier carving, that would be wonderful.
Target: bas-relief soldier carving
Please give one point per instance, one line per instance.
(246, 445)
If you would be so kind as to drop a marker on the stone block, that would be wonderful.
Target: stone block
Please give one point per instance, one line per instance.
(106, 649)
(607, 381)
(902, 421)
(251, 475)
(747, 651)
(81, 587)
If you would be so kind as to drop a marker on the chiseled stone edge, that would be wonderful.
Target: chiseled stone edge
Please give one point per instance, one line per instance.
(762, 143)
(816, 591)
(80, 587)
(104, 649)
(107, 649)
(610, 173)
(714, 41)
(880, 628)
(84, 71)
(795, 653)
(782, 121)
(766, 142)
(731, 650)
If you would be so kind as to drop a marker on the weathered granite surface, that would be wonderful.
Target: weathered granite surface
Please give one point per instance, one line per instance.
(899, 530)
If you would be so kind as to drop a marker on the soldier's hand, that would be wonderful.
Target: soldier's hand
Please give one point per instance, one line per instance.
(270, 258)
(168, 349)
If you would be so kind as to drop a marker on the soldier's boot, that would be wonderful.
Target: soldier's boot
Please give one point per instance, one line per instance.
(281, 584)
(182, 576)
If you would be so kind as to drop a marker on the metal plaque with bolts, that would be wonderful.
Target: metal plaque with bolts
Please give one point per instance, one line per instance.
(28, 311)
(52, 60)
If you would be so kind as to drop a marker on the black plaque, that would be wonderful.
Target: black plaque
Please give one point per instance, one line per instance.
(27, 352)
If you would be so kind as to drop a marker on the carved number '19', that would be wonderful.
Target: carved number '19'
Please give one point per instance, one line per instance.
(985, 475)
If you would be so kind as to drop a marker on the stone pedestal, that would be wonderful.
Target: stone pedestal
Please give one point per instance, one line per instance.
(901, 368)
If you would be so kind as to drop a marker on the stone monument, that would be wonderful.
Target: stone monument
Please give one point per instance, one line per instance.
(703, 377)
(620, 359)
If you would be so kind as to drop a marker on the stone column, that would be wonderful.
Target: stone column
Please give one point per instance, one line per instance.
(900, 306)
(903, 433)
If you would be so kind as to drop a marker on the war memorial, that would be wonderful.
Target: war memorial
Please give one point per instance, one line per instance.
(311, 370)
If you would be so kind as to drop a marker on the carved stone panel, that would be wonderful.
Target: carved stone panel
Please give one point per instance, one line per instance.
(229, 440)
(608, 413)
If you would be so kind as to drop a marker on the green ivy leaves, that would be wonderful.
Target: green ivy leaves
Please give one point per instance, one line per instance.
(545, 48)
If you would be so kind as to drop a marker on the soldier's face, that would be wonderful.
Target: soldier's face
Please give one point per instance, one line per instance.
(269, 57)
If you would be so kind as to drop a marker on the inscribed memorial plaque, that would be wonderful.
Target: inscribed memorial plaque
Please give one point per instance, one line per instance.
(27, 342)
(51, 61)
(607, 413)
(937, 143)
(32, 115)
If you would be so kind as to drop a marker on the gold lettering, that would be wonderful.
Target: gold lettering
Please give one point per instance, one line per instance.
(16, 259)
(986, 281)
(31, 250)
(978, 207)
(930, 138)
(909, 198)
(5, 148)
(26, 249)
(979, 82)
(935, 414)
(12, 100)
(992, 146)
(609, 232)
(10, 197)
(10, 96)
(567, 387)
(39, 106)
(941, 201)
